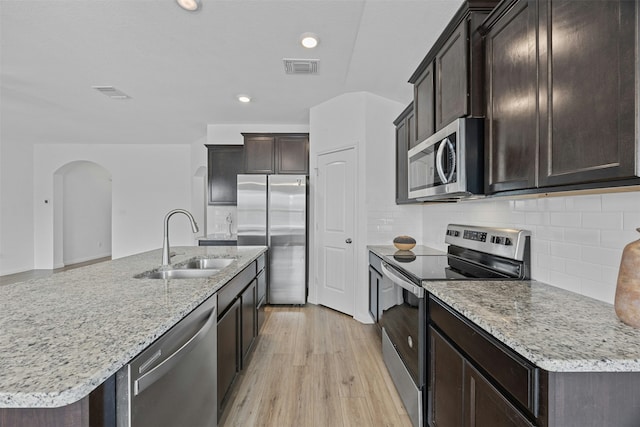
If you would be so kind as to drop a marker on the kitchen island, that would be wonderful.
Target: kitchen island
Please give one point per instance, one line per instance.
(65, 335)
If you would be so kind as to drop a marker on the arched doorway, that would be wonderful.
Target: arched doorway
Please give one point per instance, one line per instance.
(81, 213)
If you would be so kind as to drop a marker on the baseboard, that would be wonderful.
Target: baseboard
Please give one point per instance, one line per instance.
(85, 259)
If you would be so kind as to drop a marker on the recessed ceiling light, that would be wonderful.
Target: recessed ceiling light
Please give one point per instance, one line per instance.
(244, 98)
(190, 5)
(309, 40)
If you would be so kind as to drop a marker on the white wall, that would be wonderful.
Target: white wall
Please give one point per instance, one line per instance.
(577, 240)
(86, 212)
(364, 121)
(147, 182)
(16, 207)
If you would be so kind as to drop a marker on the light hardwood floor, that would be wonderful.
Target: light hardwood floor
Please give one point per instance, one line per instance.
(314, 367)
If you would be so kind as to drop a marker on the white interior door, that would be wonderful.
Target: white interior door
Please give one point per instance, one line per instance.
(335, 207)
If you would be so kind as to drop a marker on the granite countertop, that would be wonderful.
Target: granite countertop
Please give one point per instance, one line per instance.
(557, 330)
(390, 250)
(64, 335)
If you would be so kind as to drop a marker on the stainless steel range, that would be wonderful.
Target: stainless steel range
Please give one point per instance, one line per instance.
(474, 253)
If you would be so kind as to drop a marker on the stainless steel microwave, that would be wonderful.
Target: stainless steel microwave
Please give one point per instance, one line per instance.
(449, 165)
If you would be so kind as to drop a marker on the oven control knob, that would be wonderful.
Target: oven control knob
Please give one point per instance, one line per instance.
(410, 342)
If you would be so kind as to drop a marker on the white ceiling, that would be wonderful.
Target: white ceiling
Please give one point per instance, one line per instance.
(183, 70)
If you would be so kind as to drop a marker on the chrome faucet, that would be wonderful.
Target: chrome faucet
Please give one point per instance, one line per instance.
(165, 243)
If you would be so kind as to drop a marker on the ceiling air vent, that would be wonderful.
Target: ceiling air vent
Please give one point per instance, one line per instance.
(111, 92)
(301, 66)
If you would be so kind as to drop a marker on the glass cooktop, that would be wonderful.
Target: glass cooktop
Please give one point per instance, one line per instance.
(420, 267)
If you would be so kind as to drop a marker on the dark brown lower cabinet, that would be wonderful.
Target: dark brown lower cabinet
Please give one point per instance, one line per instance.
(445, 383)
(462, 396)
(477, 381)
(248, 320)
(485, 406)
(228, 353)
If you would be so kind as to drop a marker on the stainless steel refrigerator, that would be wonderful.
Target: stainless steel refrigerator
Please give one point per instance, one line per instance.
(272, 211)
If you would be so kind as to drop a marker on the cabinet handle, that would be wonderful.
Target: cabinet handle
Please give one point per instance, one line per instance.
(348, 241)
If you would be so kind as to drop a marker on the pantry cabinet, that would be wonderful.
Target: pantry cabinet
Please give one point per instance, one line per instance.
(561, 94)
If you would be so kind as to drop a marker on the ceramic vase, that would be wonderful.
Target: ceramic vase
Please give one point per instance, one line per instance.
(627, 302)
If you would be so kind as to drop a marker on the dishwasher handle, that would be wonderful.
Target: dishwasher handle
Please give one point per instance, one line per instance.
(157, 372)
(401, 281)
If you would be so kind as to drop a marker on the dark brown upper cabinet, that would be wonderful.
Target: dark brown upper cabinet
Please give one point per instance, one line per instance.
(588, 72)
(224, 164)
(276, 153)
(510, 127)
(405, 140)
(561, 95)
(448, 83)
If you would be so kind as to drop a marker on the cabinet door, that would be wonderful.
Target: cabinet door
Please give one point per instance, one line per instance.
(292, 155)
(511, 85)
(402, 186)
(224, 165)
(423, 104)
(451, 78)
(445, 398)
(588, 71)
(374, 282)
(248, 320)
(259, 154)
(487, 407)
(228, 352)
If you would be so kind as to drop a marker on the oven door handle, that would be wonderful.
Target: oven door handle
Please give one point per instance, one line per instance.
(400, 281)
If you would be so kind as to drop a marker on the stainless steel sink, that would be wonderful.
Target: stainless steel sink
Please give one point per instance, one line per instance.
(192, 269)
(178, 273)
(208, 263)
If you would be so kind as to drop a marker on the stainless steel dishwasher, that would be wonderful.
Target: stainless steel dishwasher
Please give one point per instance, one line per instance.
(174, 381)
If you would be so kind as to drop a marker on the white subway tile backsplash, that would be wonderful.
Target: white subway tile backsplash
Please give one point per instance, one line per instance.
(582, 236)
(577, 240)
(565, 219)
(565, 281)
(602, 220)
(549, 233)
(584, 203)
(598, 289)
(631, 220)
(550, 262)
(551, 204)
(537, 218)
(627, 201)
(601, 256)
(584, 270)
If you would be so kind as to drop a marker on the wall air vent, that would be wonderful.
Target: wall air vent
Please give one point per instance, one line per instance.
(301, 66)
(111, 92)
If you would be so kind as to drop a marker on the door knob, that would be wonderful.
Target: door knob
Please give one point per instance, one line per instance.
(348, 241)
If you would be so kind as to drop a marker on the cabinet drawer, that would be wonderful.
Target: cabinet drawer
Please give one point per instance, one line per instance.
(512, 373)
(234, 287)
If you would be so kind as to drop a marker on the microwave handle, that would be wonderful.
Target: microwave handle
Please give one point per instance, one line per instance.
(444, 144)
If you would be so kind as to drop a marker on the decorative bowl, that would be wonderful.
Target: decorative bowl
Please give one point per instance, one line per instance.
(404, 243)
